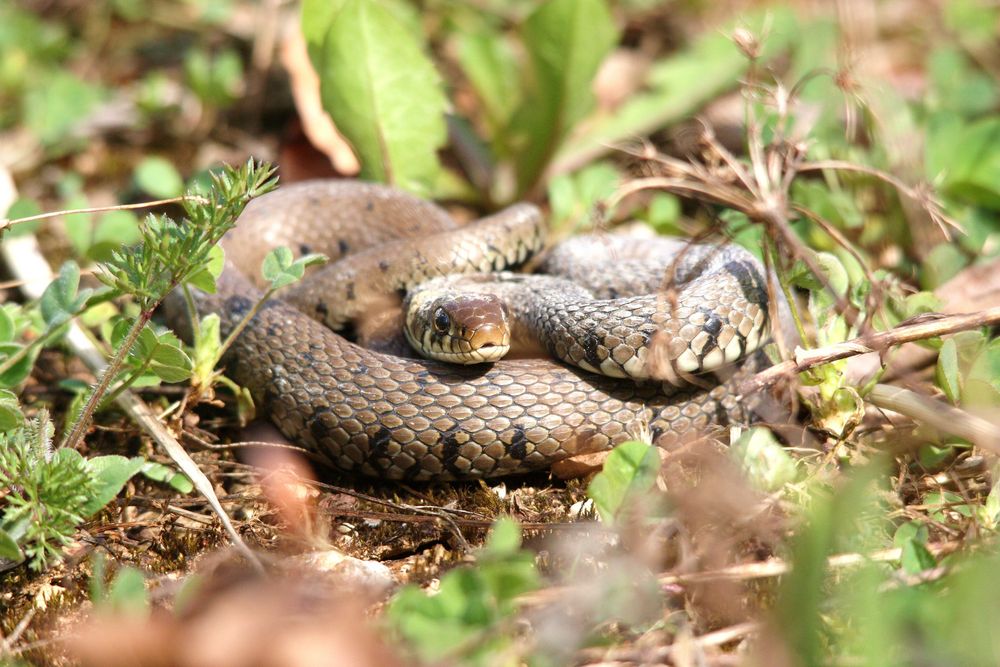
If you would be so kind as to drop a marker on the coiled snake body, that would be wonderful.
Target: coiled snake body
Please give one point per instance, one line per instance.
(400, 418)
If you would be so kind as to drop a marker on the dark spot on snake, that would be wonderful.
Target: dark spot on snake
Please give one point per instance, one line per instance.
(238, 305)
(370, 206)
(590, 345)
(316, 427)
(342, 246)
(272, 330)
(321, 309)
(751, 282)
(655, 433)
(712, 326)
(308, 357)
(383, 265)
(518, 447)
(350, 291)
(721, 416)
(305, 248)
(380, 441)
(450, 451)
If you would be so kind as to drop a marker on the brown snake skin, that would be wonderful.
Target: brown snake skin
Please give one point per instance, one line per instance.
(399, 418)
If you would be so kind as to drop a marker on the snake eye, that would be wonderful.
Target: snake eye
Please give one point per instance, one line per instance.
(441, 320)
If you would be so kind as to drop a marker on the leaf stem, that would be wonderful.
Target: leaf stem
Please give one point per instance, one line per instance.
(80, 427)
(238, 329)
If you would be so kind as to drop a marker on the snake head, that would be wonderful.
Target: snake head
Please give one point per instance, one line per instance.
(457, 327)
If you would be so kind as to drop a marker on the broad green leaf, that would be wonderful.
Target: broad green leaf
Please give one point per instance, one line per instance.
(206, 347)
(170, 362)
(767, 464)
(159, 177)
(948, 372)
(79, 226)
(23, 208)
(681, 84)
(113, 230)
(990, 511)
(966, 157)
(956, 85)
(629, 471)
(21, 369)
(60, 301)
(280, 269)
(205, 279)
(489, 62)
(161, 473)
(10, 411)
(127, 593)
(7, 327)
(317, 15)
(215, 78)
(942, 263)
(504, 538)
(9, 548)
(573, 196)
(566, 41)
(55, 105)
(384, 95)
(111, 473)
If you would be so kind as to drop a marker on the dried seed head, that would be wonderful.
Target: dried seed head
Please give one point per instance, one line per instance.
(747, 43)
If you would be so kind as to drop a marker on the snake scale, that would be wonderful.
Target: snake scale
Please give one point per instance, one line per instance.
(393, 417)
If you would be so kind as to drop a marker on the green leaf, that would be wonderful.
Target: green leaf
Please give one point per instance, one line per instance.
(23, 208)
(911, 539)
(281, 269)
(206, 348)
(504, 538)
(159, 177)
(629, 471)
(573, 196)
(384, 95)
(11, 416)
(948, 372)
(8, 330)
(681, 84)
(9, 548)
(161, 473)
(317, 15)
(942, 263)
(113, 230)
(215, 79)
(489, 62)
(60, 301)
(566, 42)
(127, 593)
(55, 105)
(206, 278)
(966, 158)
(765, 462)
(110, 473)
(20, 371)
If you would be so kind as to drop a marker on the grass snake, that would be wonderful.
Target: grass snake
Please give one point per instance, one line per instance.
(389, 416)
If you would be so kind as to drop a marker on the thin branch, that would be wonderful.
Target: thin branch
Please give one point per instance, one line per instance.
(5, 223)
(938, 414)
(876, 342)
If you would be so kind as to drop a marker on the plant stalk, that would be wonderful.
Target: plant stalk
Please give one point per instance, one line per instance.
(83, 422)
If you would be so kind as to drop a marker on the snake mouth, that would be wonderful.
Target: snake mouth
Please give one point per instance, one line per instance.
(486, 354)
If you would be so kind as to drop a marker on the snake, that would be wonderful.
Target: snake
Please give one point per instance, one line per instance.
(368, 412)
